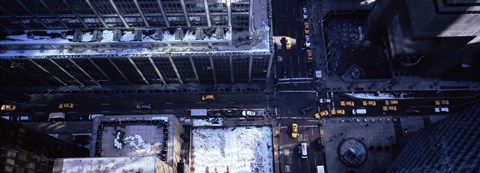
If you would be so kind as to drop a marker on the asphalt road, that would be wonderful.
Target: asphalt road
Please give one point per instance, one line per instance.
(120, 104)
(288, 21)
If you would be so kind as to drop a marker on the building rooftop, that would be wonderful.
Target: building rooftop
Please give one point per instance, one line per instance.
(172, 41)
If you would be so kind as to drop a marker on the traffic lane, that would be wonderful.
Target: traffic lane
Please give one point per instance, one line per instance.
(122, 104)
(289, 104)
(308, 135)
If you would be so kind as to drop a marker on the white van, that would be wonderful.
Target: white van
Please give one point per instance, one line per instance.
(56, 116)
(303, 150)
(320, 169)
(359, 111)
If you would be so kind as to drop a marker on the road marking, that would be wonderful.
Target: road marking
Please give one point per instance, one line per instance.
(39, 112)
(297, 91)
(169, 103)
(105, 104)
(41, 105)
(105, 111)
(305, 126)
(298, 118)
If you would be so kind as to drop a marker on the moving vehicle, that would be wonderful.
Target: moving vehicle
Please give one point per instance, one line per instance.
(9, 107)
(65, 106)
(320, 169)
(294, 130)
(303, 150)
(309, 55)
(412, 111)
(321, 114)
(307, 41)
(441, 102)
(307, 27)
(248, 113)
(391, 102)
(93, 116)
(56, 116)
(321, 101)
(389, 108)
(208, 97)
(143, 106)
(359, 111)
(441, 109)
(306, 109)
(305, 12)
(347, 103)
(369, 103)
(23, 118)
(288, 43)
(337, 111)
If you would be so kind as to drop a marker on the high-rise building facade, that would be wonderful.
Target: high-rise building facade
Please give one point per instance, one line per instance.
(442, 35)
(109, 42)
(450, 145)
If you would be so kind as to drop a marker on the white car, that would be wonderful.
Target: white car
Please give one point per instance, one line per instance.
(324, 101)
(307, 41)
(143, 106)
(441, 109)
(305, 13)
(248, 113)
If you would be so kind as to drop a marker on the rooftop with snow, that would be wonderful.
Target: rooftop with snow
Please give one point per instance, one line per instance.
(141, 41)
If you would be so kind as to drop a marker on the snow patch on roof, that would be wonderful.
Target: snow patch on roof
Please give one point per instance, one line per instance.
(241, 149)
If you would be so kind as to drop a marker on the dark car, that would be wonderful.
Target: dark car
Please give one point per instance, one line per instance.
(306, 109)
(412, 111)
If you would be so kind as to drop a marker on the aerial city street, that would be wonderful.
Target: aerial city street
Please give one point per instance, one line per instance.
(239, 86)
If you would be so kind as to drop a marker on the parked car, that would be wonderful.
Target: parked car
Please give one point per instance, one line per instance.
(294, 130)
(9, 107)
(441, 109)
(323, 100)
(391, 102)
(389, 108)
(369, 103)
(347, 103)
(143, 106)
(306, 109)
(441, 102)
(412, 111)
(66, 106)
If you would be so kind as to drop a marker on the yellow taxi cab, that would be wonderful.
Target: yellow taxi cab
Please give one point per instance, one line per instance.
(208, 97)
(288, 43)
(321, 114)
(391, 102)
(389, 108)
(337, 112)
(309, 55)
(294, 130)
(307, 27)
(347, 103)
(65, 106)
(369, 103)
(9, 107)
(441, 102)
